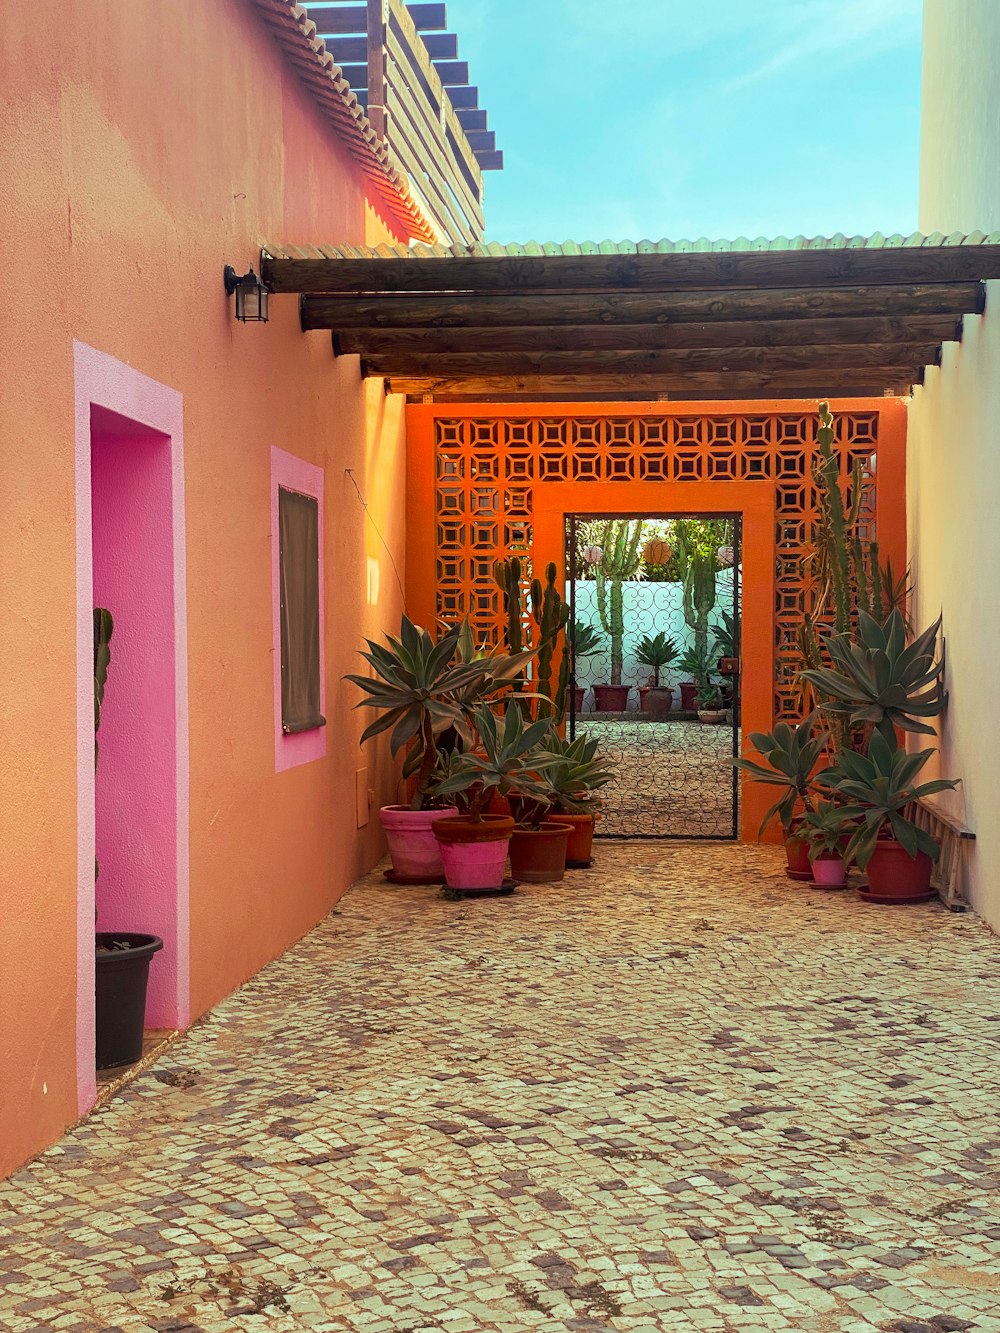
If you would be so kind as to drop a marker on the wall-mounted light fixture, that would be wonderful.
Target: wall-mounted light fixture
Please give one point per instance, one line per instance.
(251, 295)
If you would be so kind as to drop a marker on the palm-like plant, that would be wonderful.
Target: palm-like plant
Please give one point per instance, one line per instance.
(791, 755)
(698, 665)
(425, 691)
(875, 790)
(586, 639)
(656, 652)
(727, 636)
(508, 758)
(879, 679)
(825, 828)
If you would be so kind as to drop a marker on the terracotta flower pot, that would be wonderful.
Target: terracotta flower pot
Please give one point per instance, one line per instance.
(829, 871)
(797, 856)
(473, 853)
(578, 692)
(538, 856)
(416, 858)
(579, 849)
(611, 698)
(657, 702)
(896, 877)
(712, 716)
(689, 695)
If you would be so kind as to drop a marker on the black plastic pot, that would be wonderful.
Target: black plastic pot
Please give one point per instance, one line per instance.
(121, 979)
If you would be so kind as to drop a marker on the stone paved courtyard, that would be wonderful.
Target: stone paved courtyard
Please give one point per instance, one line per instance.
(675, 1092)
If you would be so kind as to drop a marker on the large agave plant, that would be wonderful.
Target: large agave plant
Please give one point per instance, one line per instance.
(875, 789)
(426, 692)
(507, 758)
(577, 772)
(791, 755)
(878, 679)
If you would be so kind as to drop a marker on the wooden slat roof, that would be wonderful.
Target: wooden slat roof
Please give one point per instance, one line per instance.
(295, 33)
(746, 318)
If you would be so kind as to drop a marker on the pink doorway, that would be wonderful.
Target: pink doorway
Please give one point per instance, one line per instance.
(130, 559)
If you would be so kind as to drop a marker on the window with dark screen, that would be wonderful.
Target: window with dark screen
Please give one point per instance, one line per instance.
(298, 523)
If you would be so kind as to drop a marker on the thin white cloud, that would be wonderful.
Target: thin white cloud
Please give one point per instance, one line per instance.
(828, 31)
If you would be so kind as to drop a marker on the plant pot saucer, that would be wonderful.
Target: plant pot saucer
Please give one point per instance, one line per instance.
(890, 900)
(579, 865)
(828, 888)
(799, 875)
(394, 877)
(507, 887)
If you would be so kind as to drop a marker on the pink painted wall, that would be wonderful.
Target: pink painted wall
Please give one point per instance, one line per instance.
(127, 207)
(137, 803)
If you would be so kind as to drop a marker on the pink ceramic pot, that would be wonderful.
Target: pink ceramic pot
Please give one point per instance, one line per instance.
(412, 845)
(474, 855)
(829, 871)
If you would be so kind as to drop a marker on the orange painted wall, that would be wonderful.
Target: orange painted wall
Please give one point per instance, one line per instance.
(755, 500)
(143, 146)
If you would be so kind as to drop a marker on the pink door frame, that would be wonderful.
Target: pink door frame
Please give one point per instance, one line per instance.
(102, 382)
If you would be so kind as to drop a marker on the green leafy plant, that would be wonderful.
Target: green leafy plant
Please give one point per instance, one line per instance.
(656, 652)
(727, 636)
(876, 788)
(697, 664)
(577, 772)
(826, 828)
(791, 756)
(587, 641)
(506, 758)
(710, 699)
(104, 627)
(880, 680)
(427, 695)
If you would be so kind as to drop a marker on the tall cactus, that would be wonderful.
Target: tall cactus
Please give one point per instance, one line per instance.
(507, 576)
(697, 542)
(620, 560)
(551, 614)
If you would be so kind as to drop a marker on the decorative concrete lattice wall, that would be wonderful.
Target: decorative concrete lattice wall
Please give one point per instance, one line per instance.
(487, 466)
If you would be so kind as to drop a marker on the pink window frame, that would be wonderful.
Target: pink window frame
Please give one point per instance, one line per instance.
(295, 474)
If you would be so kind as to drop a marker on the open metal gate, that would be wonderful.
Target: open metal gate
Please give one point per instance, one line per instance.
(668, 721)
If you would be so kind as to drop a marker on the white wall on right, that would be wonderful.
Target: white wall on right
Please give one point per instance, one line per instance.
(953, 446)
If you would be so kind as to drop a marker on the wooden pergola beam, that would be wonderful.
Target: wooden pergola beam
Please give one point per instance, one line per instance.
(711, 270)
(366, 311)
(791, 384)
(843, 331)
(903, 360)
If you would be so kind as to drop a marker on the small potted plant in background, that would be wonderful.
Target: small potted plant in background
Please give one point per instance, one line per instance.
(698, 665)
(656, 652)
(123, 956)
(426, 693)
(791, 756)
(505, 759)
(572, 783)
(826, 830)
(711, 706)
(587, 642)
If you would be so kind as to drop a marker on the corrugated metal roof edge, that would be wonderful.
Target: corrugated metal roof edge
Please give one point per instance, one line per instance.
(530, 249)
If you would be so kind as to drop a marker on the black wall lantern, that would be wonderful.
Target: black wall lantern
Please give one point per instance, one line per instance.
(251, 295)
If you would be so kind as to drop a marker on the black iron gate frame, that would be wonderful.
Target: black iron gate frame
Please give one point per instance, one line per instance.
(570, 553)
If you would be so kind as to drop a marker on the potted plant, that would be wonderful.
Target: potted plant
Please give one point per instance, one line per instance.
(826, 831)
(697, 663)
(504, 759)
(656, 652)
(426, 693)
(711, 707)
(877, 789)
(587, 642)
(123, 956)
(791, 756)
(572, 783)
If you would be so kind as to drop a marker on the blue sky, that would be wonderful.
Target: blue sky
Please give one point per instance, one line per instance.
(667, 118)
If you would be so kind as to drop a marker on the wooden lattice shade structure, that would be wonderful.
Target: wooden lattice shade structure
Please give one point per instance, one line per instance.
(743, 319)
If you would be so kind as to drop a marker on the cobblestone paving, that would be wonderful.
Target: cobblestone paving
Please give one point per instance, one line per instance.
(675, 1092)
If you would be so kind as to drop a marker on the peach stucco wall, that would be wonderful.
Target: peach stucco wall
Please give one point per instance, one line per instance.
(143, 147)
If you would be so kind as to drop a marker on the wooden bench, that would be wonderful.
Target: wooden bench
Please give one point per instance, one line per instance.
(955, 839)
